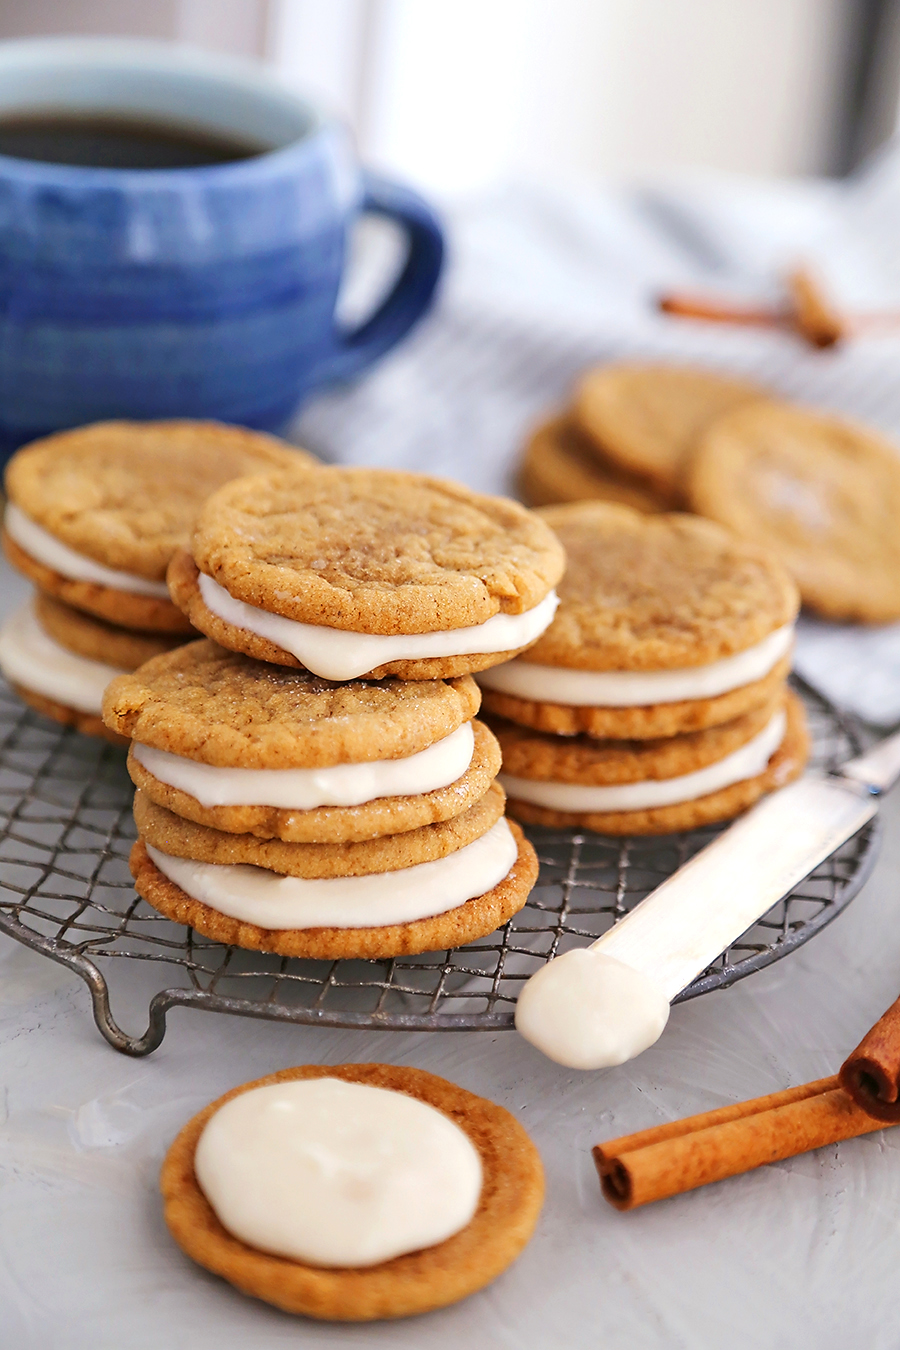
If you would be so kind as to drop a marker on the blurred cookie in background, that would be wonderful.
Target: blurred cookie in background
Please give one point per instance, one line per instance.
(560, 464)
(821, 493)
(646, 419)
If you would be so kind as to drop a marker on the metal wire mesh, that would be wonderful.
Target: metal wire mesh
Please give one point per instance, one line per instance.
(65, 890)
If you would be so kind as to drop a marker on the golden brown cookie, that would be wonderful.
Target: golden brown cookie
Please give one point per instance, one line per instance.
(647, 418)
(556, 759)
(183, 577)
(124, 609)
(86, 635)
(474, 919)
(87, 723)
(560, 464)
(126, 493)
(821, 493)
(375, 550)
(390, 853)
(223, 709)
(784, 766)
(651, 721)
(336, 824)
(511, 1197)
(658, 592)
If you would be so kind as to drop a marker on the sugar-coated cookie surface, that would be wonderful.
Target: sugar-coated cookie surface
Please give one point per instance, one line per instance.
(581, 759)
(511, 1196)
(87, 635)
(664, 592)
(560, 464)
(647, 418)
(222, 708)
(455, 927)
(375, 551)
(336, 824)
(387, 853)
(822, 493)
(126, 493)
(784, 766)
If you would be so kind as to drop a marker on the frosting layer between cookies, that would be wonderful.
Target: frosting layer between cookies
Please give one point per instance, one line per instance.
(31, 658)
(307, 789)
(271, 900)
(637, 688)
(336, 1173)
(746, 762)
(336, 654)
(53, 553)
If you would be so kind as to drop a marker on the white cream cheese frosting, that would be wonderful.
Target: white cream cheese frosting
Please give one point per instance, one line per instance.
(45, 548)
(335, 1173)
(256, 895)
(636, 688)
(305, 789)
(335, 654)
(587, 1010)
(30, 657)
(745, 762)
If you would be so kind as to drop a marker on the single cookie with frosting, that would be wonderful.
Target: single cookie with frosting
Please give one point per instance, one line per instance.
(666, 624)
(653, 787)
(353, 1193)
(251, 748)
(368, 572)
(94, 515)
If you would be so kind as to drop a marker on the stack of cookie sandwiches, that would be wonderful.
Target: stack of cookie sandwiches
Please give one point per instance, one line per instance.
(93, 518)
(312, 781)
(656, 701)
(628, 435)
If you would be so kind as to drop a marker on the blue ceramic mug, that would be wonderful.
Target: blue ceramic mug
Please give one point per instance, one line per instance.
(184, 292)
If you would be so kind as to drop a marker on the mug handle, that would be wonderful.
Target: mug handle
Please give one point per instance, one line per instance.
(414, 288)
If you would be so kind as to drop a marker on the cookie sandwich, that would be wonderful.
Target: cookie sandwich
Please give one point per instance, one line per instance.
(653, 786)
(250, 748)
(645, 420)
(367, 572)
(667, 624)
(59, 660)
(283, 812)
(436, 886)
(354, 1192)
(94, 515)
(821, 493)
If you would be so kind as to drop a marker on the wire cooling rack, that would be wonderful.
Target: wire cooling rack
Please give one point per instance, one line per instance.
(65, 891)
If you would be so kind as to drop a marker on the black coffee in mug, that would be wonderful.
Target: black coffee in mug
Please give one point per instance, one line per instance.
(115, 142)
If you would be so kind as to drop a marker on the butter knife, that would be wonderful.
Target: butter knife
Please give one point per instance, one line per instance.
(601, 1005)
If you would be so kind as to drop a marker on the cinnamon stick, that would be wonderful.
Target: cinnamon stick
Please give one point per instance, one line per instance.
(871, 1075)
(689, 306)
(684, 1154)
(813, 314)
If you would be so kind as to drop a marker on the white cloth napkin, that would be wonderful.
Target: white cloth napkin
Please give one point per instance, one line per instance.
(541, 284)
